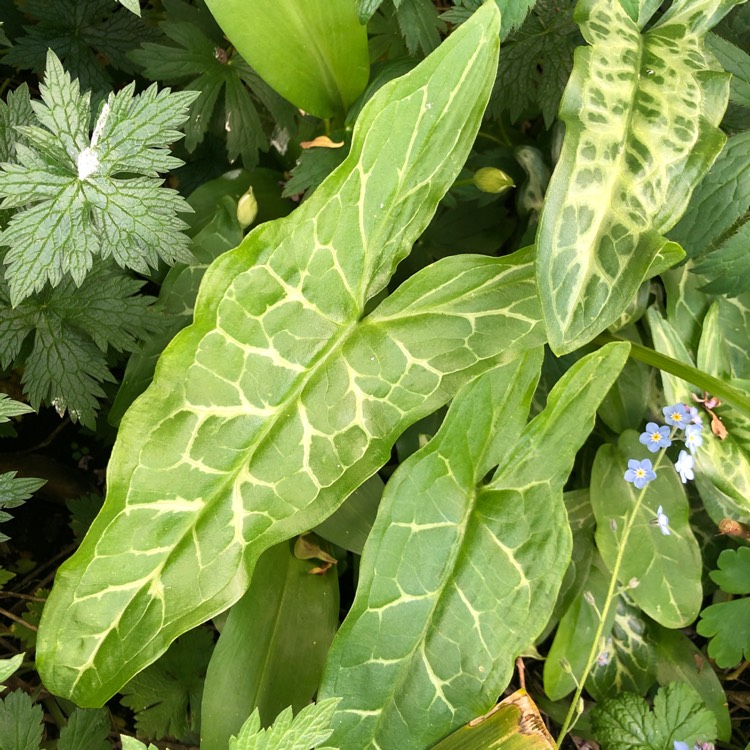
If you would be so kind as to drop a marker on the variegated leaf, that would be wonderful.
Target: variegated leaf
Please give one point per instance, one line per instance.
(459, 577)
(641, 110)
(279, 400)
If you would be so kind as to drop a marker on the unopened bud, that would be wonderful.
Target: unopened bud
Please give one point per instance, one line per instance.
(492, 180)
(247, 209)
(565, 666)
(633, 583)
(589, 597)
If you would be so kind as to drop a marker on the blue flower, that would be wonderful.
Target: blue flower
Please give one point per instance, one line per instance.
(662, 521)
(681, 745)
(655, 437)
(640, 473)
(684, 466)
(677, 415)
(695, 418)
(693, 437)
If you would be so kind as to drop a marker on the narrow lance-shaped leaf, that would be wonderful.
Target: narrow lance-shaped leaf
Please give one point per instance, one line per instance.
(457, 577)
(641, 112)
(277, 403)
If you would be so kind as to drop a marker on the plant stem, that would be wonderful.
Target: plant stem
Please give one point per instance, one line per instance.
(612, 593)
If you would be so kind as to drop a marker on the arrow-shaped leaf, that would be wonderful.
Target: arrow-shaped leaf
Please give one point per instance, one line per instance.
(279, 401)
(641, 113)
(458, 577)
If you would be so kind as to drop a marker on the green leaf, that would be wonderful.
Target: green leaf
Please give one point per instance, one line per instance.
(466, 572)
(89, 36)
(272, 648)
(20, 722)
(8, 667)
(312, 52)
(728, 266)
(686, 304)
(668, 568)
(311, 726)
(70, 331)
(733, 575)
(569, 652)
(678, 660)
(420, 25)
(287, 400)
(728, 623)
(536, 61)
(133, 6)
(735, 61)
(87, 729)
(166, 697)
(75, 199)
(228, 88)
(512, 12)
(14, 491)
(722, 467)
(131, 743)
(625, 174)
(721, 198)
(625, 722)
(15, 110)
(10, 408)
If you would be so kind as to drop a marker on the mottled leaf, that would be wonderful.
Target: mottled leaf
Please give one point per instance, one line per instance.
(633, 151)
(458, 577)
(279, 400)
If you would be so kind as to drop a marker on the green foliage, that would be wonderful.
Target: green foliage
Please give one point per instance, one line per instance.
(166, 697)
(75, 200)
(228, 88)
(727, 624)
(310, 727)
(456, 619)
(323, 78)
(606, 209)
(512, 12)
(678, 715)
(87, 729)
(8, 667)
(20, 722)
(268, 660)
(289, 349)
(536, 61)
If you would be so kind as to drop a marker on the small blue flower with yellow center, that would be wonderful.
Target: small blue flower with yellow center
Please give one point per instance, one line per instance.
(640, 473)
(677, 415)
(655, 437)
(693, 437)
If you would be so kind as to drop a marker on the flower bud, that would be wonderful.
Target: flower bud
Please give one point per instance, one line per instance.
(247, 209)
(492, 180)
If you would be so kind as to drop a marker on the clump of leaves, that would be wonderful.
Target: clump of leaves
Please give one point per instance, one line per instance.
(678, 715)
(166, 697)
(197, 59)
(89, 36)
(727, 624)
(77, 196)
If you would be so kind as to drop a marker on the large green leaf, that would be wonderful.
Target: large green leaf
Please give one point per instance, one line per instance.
(313, 52)
(459, 577)
(279, 400)
(668, 567)
(641, 113)
(271, 651)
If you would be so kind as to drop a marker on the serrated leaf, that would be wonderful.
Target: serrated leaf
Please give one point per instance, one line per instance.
(536, 61)
(720, 199)
(70, 330)
(512, 12)
(625, 173)
(166, 697)
(678, 660)
(679, 715)
(727, 268)
(87, 729)
(89, 36)
(198, 487)
(10, 408)
(312, 53)
(727, 625)
(465, 579)
(668, 568)
(310, 727)
(272, 648)
(420, 25)
(20, 722)
(735, 61)
(15, 110)
(14, 491)
(77, 196)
